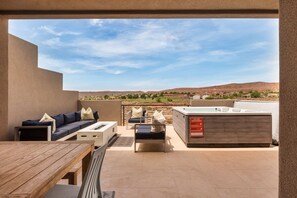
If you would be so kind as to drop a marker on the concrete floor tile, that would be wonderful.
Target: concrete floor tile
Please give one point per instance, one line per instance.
(189, 172)
(246, 193)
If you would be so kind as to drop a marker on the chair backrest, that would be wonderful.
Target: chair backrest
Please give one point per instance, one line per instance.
(143, 112)
(90, 187)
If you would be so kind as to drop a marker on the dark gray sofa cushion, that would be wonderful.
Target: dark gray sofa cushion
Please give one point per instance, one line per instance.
(96, 115)
(85, 123)
(69, 117)
(77, 116)
(72, 127)
(59, 120)
(136, 120)
(59, 133)
(144, 132)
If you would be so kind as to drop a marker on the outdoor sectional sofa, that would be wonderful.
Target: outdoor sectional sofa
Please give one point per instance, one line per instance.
(66, 126)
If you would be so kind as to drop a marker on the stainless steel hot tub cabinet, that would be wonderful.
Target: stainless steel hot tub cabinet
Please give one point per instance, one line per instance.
(222, 126)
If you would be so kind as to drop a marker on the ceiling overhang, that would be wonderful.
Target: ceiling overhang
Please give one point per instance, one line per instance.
(22, 9)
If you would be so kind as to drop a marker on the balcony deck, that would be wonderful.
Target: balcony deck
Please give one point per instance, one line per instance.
(188, 172)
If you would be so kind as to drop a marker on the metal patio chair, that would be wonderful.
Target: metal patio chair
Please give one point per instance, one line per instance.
(90, 187)
(130, 122)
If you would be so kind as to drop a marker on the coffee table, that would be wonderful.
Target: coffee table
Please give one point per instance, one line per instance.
(100, 132)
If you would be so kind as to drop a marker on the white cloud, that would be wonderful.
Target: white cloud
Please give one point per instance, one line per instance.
(115, 72)
(149, 84)
(96, 22)
(71, 71)
(222, 52)
(144, 40)
(101, 22)
(47, 62)
(244, 49)
(85, 65)
(51, 30)
(53, 42)
(134, 45)
(181, 63)
(258, 45)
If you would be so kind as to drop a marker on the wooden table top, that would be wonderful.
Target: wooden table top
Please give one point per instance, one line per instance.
(30, 169)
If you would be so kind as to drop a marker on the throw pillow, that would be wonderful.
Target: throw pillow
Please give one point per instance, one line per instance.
(69, 117)
(96, 115)
(77, 116)
(158, 118)
(47, 118)
(136, 113)
(59, 120)
(86, 114)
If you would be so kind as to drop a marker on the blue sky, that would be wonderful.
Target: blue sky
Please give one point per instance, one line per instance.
(154, 54)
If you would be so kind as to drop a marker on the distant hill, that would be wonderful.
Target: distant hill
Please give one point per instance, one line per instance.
(103, 93)
(233, 87)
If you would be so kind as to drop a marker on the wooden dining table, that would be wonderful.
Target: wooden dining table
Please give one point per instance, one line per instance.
(30, 169)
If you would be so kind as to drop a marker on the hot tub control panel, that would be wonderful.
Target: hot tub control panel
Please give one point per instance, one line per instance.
(196, 127)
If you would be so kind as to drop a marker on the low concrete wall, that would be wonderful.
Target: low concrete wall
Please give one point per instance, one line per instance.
(33, 91)
(109, 110)
(205, 103)
(272, 107)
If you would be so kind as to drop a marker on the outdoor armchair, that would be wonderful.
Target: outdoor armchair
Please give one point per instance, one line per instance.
(143, 134)
(130, 122)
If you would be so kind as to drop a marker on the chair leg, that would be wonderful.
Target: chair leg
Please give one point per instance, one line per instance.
(75, 182)
(71, 179)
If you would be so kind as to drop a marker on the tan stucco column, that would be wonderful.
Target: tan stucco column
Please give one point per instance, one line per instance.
(3, 78)
(288, 99)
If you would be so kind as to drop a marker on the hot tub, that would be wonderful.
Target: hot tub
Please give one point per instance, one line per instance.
(222, 126)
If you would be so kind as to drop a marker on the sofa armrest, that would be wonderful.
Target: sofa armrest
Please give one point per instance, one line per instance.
(33, 133)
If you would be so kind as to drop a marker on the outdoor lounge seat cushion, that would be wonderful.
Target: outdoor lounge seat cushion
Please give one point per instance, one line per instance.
(72, 127)
(136, 120)
(85, 123)
(59, 133)
(144, 132)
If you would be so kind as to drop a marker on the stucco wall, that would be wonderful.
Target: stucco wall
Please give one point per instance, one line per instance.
(272, 107)
(205, 103)
(288, 99)
(33, 91)
(109, 110)
(3, 78)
